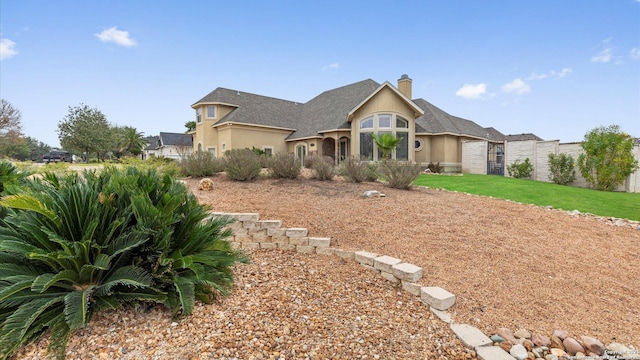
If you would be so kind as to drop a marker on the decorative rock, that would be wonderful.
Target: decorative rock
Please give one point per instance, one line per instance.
(551, 357)
(320, 242)
(561, 334)
(385, 263)
(492, 353)
(593, 345)
(572, 346)
(506, 345)
(519, 352)
(373, 193)
(437, 297)
(620, 349)
(205, 184)
(522, 334)
(470, 336)
(442, 315)
(506, 334)
(411, 288)
(528, 344)
(497, 338)
(407, 272)
(365, 257)
(557, 352)
(556, 343)
(540, 340)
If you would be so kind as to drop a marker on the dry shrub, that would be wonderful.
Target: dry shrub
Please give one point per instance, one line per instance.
(284, 166)
(399, 174)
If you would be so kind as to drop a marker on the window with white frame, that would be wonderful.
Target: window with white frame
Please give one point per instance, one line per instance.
(268, 150)
(199, 114)
(380, 124)
(213, 151)
(211, 112)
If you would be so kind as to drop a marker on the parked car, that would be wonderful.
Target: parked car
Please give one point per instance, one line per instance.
(57, 156)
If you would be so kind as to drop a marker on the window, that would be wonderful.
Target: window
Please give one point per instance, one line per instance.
(213, 151)
(211, 111)
(417, 145)
(268, 150)
(384, 124)
(199, 114)
(224, 147)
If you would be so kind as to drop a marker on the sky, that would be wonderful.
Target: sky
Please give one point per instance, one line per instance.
(553, 68)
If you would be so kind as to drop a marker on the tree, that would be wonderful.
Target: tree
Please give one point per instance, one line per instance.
(36, 148)
(131, 140)
(386, 143)
(608, 157)
(12, 142)
(190, 125)
(85, 130)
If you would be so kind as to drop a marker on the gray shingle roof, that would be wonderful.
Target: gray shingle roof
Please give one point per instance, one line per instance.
(493, 134)
(522, 137)
(256, 109)
(175, 139)
(436, 121)
(152, 142)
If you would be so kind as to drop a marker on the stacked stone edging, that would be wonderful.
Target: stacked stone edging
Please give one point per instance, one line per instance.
(249, 232)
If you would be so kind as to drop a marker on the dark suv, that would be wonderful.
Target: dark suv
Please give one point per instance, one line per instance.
(57, 156)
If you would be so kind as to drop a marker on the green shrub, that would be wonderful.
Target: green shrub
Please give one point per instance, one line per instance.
(9, 174)
(520, 170)
(399, 174)
(77, 244)
(323, 167)
(358, 170)
(284, 166)
(434, 168)
(561, 169)
(201, 164)
(162, 165)
(242, 164)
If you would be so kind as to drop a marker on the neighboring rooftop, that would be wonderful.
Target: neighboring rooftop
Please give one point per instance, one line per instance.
(523, 137)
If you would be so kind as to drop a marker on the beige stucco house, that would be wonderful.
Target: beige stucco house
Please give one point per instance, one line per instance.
(336, 123)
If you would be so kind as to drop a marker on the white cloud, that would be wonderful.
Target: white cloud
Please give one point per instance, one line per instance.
(331, 66)
(516, 86)
(562, 73)
(7, 49)
(603, 56)
(116, 36)
(535, 76)
(471, 91)
(635, 52)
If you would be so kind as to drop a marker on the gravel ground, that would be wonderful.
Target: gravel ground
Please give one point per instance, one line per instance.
(510, 265)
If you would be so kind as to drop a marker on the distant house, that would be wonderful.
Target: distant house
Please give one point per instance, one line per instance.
(337, 123)
(174, 145)
(151, 148)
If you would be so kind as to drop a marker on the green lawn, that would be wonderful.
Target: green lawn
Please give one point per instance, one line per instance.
(615, 204)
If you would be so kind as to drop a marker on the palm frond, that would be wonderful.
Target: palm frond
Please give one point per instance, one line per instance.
(76, 307)
(29, 203)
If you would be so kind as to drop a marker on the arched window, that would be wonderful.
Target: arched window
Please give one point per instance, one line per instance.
(381, 124)
(199, 148)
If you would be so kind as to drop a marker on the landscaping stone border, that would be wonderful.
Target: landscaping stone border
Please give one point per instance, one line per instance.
(249, 232)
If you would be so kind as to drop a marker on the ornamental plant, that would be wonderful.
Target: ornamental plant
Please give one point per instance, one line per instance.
(242, 164)
(284, 166)
(400, 174)
(520, 170)
(76, 244)
(562, 169)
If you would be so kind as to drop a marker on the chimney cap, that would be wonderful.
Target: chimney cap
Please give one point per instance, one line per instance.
(404, 77)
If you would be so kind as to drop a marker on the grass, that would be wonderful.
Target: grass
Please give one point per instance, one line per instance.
(610, 204)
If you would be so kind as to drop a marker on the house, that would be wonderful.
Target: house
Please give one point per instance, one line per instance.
(151, 147)
(336, 123)
(174, 145)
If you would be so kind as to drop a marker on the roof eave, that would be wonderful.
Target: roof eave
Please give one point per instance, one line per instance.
(419, 112)
(218, 124)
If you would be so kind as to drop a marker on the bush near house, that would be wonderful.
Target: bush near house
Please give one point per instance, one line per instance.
(399, 174)
(200, 164)
(284, 166)
(562, 169)
(323, 167)
(520, 170)
(242, 164)
(358, 170)
(76, 244)
(434, 168)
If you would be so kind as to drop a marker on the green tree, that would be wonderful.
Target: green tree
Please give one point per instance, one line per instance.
(85, 130)
(12, 143)
(608, 157)
(36, 148)
(131, 140)
(190, 125)
(386, 143)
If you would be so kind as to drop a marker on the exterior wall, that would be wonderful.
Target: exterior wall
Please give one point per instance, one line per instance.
(541, 163)
(423, 156)
(385, 101)
(633, 183)
(474, 156)
(173, 152)
(205, 133)
(241, 137)
(444, 149)
(519, 150)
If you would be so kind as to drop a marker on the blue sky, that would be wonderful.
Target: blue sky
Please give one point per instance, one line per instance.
(554, 68)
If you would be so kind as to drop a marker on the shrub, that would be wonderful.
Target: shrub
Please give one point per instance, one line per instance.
(163, 165)
(9, 174)
(201, 164)
(520, 170)
(242, 164)
(561, 168)
(77, 244)
(434, 168)
(323, 167)
(399, 174)
(357, 170)
(284, 166)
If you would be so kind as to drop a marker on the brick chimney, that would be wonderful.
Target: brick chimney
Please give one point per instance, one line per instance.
(404, 85)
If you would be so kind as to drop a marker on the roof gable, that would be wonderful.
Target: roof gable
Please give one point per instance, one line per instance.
(175, 139)
(386, 84)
